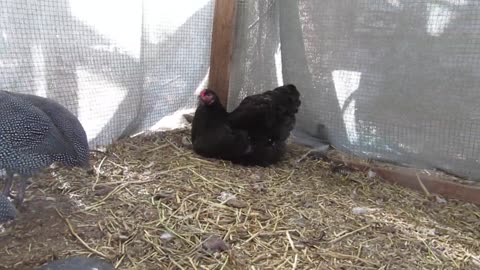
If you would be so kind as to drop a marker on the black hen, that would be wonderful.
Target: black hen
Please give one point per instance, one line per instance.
(212, 136)
(264, 120)
(270, 114)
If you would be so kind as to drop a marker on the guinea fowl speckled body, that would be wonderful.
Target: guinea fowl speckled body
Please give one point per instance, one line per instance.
(30, 141)
(7, 210)
(68, 124)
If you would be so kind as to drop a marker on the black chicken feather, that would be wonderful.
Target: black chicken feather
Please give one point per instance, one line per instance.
(270, 114)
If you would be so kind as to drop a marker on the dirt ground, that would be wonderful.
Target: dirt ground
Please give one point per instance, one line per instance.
(150, 203)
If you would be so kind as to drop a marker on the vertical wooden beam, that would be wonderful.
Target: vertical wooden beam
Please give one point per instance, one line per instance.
(222, 47)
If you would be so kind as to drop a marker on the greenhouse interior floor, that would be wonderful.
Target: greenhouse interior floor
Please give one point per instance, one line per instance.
(151, 203)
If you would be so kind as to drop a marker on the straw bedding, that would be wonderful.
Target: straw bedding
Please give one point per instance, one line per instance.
(151, 203)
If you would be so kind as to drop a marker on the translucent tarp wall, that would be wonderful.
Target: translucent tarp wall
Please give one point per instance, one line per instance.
(397, 80)
(120, 66)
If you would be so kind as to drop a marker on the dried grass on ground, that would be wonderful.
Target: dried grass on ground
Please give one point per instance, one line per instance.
(153, 204)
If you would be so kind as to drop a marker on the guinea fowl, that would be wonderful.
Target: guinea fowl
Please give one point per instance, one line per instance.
(68, 124)
(7, 210)
(212, 136)
(264, 120)
(30, 140)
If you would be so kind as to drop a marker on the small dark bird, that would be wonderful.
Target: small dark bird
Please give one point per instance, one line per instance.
(263, 120)
(78, 263)
(212, 136)
(31, 139)
(7, 209)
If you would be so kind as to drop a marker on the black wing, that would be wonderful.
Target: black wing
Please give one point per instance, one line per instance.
(256, 111)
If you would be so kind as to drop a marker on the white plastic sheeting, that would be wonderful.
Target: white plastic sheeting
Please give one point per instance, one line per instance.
(396, 80)
(120, 66)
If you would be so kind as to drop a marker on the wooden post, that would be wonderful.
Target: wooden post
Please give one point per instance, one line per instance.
(222, 47)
